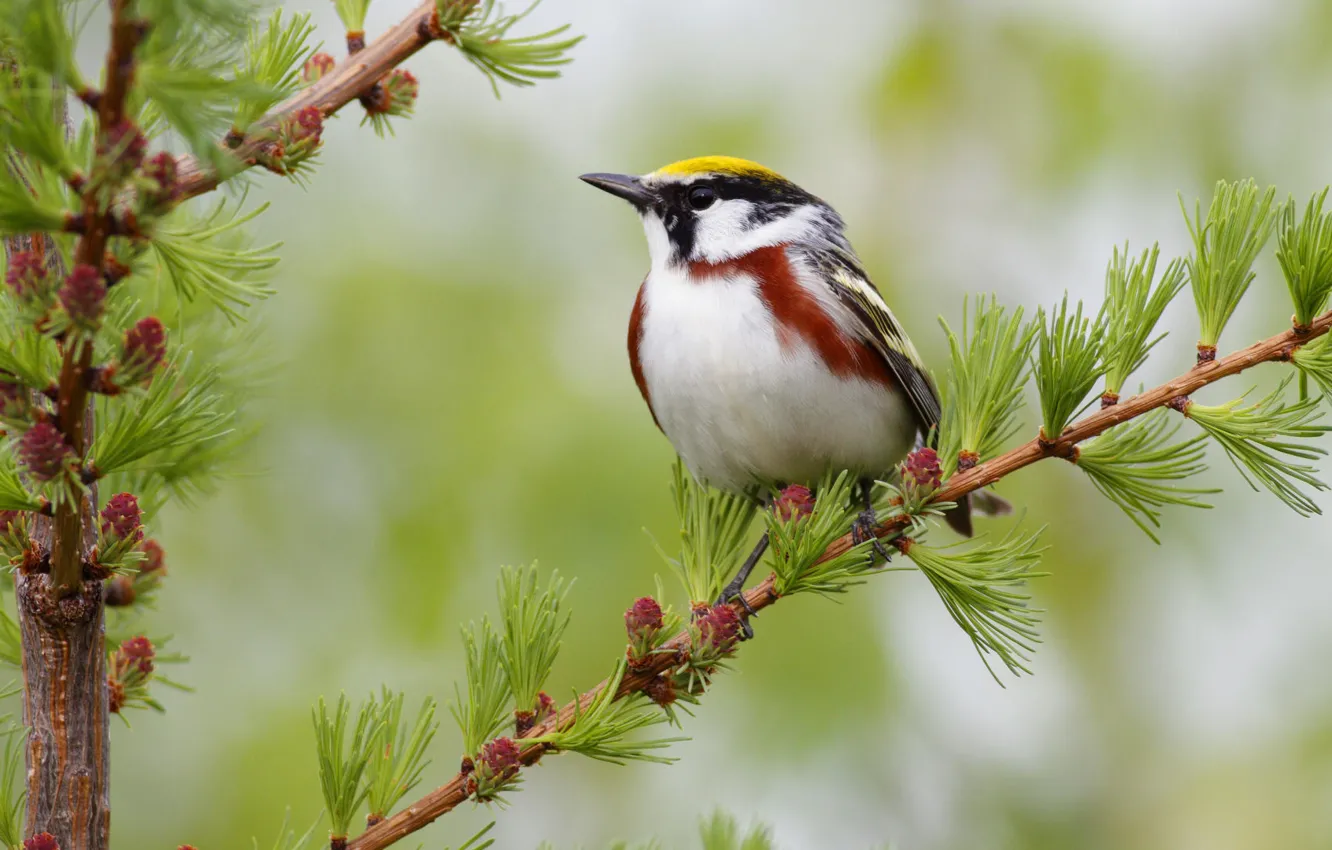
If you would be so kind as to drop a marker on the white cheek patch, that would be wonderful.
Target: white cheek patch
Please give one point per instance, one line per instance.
(724, 233)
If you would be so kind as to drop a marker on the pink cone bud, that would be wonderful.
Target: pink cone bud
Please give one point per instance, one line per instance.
(719, 627)
(27, 275)
(545, 705)
(297, 139)
(140, 652)
(307, 125)
(317, 66)
(402, 83)
(643, 616)
(499, 758)
(794, 502)
(143, 351)
(161, 171)
(41, 841)
(121, 518)
(400, 91)
(14, 400)
(921, 468)
(43, 452)
(120, 148)
(82, 296)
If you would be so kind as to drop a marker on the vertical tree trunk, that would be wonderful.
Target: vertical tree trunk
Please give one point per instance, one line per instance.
(65, 708)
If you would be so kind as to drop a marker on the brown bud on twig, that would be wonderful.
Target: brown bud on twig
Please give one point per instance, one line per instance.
(119, 592)
(154, 559)
(115, 694)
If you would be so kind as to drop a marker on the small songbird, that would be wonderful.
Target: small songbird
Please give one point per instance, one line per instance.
(763, 351)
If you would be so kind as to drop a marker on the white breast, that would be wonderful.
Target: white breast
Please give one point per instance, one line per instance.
(742, 409)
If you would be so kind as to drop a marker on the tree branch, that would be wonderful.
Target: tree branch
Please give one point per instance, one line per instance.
(1277, 348)
(345, 83)
(68, 543)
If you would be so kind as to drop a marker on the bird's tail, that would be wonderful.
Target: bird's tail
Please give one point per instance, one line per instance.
(983, 502)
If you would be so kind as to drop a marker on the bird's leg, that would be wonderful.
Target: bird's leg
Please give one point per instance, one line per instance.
(867, 522)
(735, 590)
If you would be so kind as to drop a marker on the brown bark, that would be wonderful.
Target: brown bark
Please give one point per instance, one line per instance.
(65, 708)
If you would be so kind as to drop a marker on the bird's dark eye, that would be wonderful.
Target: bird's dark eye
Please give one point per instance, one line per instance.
(702, 197)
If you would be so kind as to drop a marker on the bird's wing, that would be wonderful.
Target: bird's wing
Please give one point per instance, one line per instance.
(853, 288)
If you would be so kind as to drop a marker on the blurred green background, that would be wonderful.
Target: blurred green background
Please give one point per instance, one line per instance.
(449, 393)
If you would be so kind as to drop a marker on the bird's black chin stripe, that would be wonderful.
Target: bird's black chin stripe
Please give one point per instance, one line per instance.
(680, 227)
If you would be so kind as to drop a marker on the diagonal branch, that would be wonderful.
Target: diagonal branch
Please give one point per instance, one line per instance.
(1278, 348)
(345, 83)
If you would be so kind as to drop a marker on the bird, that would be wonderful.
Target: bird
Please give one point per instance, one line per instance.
(764, 352)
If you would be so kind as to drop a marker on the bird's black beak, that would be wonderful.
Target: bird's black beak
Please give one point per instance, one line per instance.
(624, 186)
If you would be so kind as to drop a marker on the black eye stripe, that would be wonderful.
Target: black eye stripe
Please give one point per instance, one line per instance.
(760, 214)
(769, 199)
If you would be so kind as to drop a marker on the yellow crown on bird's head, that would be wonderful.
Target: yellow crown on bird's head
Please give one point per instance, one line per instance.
(733, 166)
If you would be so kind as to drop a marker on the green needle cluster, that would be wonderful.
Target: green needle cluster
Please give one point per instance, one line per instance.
(1267, 441)
(1134, 464)
(1304, 250)
(983, 586)
(983, 393)
(1134, 302)
(1066, 362)
(714, 535)
(1225, 244)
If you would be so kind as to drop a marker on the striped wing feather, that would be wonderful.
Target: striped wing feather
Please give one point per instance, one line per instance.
(854, 289)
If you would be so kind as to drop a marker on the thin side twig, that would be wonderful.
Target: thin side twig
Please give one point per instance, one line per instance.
(350, 79)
